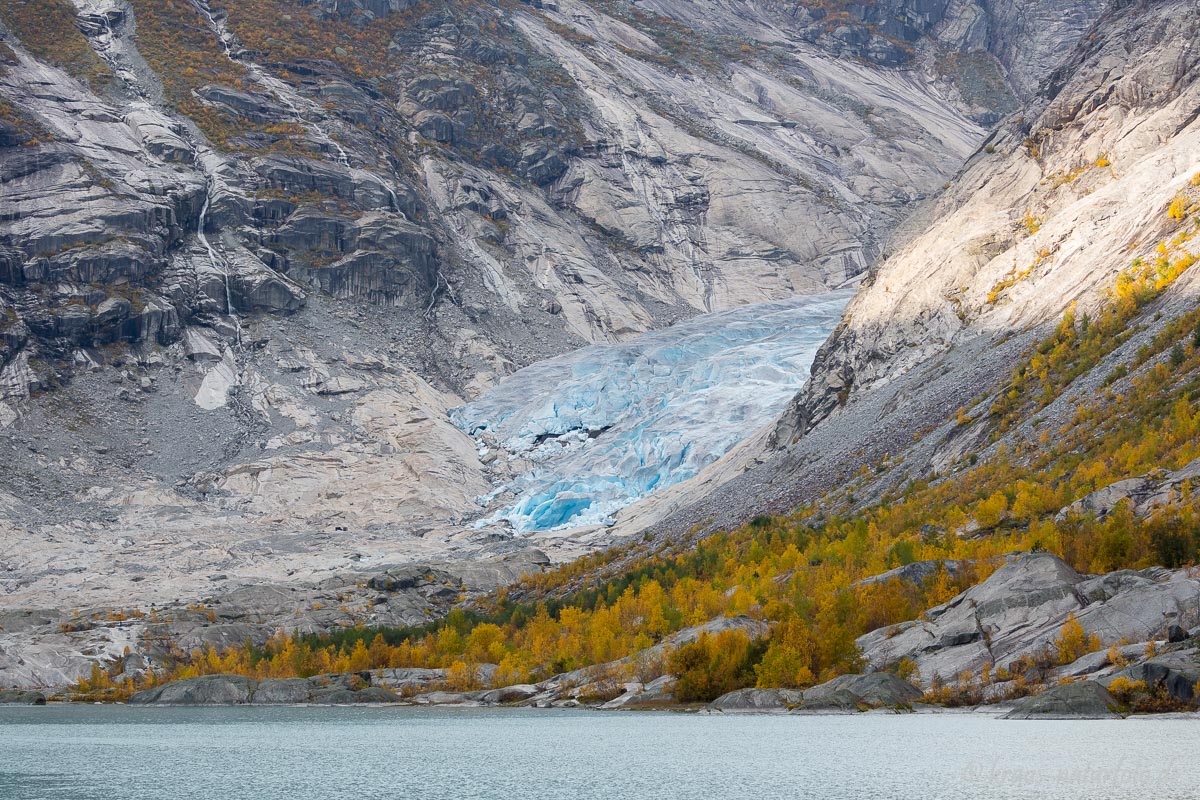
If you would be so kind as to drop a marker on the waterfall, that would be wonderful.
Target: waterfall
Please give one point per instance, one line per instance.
(433, 294)
(215, 259)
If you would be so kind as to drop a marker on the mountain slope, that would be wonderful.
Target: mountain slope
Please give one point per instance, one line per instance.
(1060, 202)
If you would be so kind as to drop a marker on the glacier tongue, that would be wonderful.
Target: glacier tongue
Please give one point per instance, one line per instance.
(608, 424)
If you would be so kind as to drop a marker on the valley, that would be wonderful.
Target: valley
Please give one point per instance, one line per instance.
(601, 353)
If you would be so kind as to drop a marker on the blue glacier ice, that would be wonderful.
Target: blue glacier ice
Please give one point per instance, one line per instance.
(608, 424)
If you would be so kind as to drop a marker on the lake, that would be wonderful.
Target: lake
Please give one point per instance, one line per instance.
(119, 753)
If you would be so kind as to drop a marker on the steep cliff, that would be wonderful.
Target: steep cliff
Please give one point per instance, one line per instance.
(1063, 199)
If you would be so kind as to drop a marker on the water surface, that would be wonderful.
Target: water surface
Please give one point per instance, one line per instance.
(119, 753)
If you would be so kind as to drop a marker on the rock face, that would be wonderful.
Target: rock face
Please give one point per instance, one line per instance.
(975, 272)
(620, 183)
(1065, 195)
(877, 689)
(1078, 700)
(208, 690)
(757, 700)
(916, 572)
(225, 690)
(1178, 673)
(1143, 494)
(1020, 610)
(844, 694)
(21, 697)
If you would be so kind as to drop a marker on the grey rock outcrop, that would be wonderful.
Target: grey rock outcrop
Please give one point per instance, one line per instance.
(876, 689)
(282, 691)
(1177, 673)
(207, 690)
(757, 700)
(1019, 611)
(1143, 494)
(510, 695)
(843, 694)
(833, 701)
(916, 572)
(202, 691)
(1077, 700)
(656, 693)
(21, 697)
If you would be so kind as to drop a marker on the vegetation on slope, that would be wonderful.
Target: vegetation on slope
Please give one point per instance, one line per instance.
(177, 43)
(1077, 346)
(47, 30)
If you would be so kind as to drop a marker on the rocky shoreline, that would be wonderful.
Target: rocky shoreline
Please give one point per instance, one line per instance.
(1083, 700)
(1036, 640)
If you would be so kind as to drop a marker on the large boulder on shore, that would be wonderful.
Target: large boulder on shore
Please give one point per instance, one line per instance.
(1078, 700)
(759, 700)
(21, 697)
(217, 690)
(283, 691)
(206, 690)
(1177, 673)
(506, 695)
(656, 693)
(845, 693)
(876, 689)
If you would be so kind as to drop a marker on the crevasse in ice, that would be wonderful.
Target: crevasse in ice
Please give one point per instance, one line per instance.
(608, 424)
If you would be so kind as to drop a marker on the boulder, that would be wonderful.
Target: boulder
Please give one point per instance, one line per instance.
(206, 690)
(873, 689)
(657, 692)
(505, 695)
(283, 691)
(21, 697)
(761, 700)
(1143, 494)
(339, 689)
(335, 696)
(1178, 673)
(1097, 663)
(441, 698)
(376, 694)
(835, 701)
(916, 572)
(1078, 700)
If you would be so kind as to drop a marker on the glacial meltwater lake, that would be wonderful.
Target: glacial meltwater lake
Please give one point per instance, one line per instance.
(118, 753)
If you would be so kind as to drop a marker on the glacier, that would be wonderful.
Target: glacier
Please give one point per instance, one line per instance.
(608, 424)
